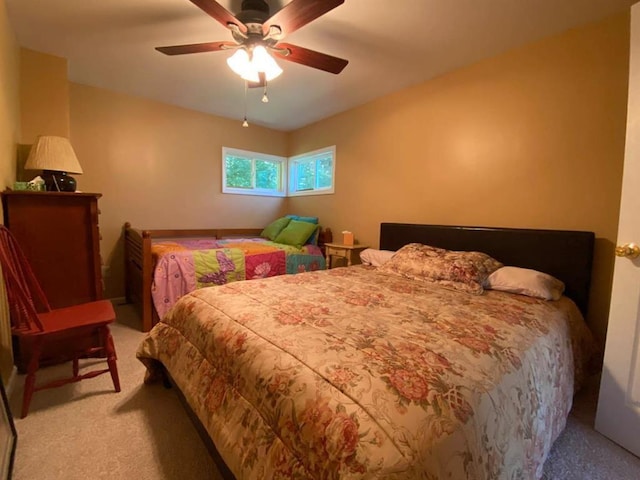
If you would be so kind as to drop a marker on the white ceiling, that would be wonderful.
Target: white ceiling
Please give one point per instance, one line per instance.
(389, 44)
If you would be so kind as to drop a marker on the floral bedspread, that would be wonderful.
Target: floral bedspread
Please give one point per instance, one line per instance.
(182, 266)
(351, 373)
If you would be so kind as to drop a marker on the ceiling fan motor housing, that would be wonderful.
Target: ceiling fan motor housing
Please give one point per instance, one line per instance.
(254, 11)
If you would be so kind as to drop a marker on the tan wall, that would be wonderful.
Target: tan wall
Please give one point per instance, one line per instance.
(44, 101)
(44, 95)
(9, 100)
(531, 138)
(9, 136)
(159, 166)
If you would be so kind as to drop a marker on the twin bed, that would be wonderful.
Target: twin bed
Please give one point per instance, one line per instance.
(362, 373)
(163, 265)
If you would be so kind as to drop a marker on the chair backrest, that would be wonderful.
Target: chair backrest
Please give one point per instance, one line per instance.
(24, 293)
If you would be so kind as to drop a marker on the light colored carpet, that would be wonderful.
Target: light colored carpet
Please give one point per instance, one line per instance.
(86, 430)
(581, 453)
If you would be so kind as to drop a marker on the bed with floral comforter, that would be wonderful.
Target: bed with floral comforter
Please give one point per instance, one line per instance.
(183, 265)
(354, 373)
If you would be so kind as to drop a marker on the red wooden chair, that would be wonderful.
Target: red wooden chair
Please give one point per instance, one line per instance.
(74, 329)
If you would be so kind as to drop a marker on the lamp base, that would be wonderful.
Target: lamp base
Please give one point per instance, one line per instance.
(58, 181)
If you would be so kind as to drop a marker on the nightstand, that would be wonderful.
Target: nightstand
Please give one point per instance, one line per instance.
(351, 253)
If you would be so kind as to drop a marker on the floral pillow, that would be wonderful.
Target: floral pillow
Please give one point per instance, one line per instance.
(464, 271)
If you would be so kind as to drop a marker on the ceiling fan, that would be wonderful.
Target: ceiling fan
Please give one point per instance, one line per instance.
(256, 32)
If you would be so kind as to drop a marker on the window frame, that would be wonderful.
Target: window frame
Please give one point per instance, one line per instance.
(291, 162)
(253, 156)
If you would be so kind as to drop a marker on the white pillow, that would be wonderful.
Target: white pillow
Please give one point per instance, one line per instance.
(371, 256)
(525, 281)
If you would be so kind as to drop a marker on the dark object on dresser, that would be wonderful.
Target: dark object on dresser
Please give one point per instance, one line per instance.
(72, 329)
(58, 181)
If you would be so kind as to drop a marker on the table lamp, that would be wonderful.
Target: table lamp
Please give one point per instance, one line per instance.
(56, 158)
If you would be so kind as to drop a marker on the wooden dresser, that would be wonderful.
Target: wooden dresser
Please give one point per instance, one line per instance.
(59, 235)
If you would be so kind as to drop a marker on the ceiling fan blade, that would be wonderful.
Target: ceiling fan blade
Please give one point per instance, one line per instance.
(311, 58)
(218, 12)
(298, 13)
(196, 48)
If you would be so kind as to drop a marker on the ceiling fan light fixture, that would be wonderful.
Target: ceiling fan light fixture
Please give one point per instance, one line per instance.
(250, 68)
(240, 63)
(263, 62)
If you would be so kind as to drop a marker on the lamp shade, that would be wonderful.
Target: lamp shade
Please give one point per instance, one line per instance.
(54, 154)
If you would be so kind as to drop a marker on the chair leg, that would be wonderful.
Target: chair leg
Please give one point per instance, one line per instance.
(30, 380)
(111, 359)
(76, 367)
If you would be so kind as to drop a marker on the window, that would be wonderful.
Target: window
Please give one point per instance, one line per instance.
(312, 173)
(251, 173)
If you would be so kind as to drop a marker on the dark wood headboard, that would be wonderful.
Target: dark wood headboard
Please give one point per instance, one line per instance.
(565, 254)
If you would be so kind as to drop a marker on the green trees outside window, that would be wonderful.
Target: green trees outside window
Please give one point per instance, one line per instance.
(252, 173)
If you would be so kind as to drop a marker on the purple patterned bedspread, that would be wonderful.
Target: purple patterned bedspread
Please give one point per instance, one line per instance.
(184, 265)
(351, 373)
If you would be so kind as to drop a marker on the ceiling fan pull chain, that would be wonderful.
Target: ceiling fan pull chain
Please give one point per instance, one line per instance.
(265, 99)
(246, 87)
